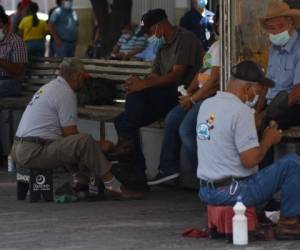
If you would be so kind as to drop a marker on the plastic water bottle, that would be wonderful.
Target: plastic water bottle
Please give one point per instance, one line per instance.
(181, 89)
(11, 167)
(239, 224)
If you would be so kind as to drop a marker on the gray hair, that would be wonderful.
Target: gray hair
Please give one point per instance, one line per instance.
(70, 66)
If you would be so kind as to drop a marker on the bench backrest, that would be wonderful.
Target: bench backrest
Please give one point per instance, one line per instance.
(41, 70)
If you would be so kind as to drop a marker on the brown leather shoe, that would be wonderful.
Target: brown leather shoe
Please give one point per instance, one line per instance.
(288, 228)
(124, 148)
(124, 194)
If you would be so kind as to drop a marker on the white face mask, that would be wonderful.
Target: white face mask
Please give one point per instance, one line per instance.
(253, 103)
(2, 35)
(280, 39)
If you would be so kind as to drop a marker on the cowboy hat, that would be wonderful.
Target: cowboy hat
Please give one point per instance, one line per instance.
(278, 9)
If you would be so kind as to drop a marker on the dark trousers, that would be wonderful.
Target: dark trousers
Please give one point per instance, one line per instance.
(289, 119)
(141, 109)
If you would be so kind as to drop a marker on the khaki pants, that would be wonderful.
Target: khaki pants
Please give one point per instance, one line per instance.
(78, 153)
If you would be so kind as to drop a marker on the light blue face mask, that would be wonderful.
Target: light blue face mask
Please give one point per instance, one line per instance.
(2, 35)
(68, 5)
(156, 42)
(253, 103)
(202, 4)
(280, 39)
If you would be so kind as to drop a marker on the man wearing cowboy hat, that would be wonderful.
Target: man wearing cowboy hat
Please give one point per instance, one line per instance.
(281, 23)
(282, 103)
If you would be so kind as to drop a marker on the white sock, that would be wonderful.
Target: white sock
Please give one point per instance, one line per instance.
(113, 184)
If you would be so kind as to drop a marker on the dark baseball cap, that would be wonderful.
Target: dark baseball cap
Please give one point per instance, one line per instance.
(150, 18)
(250, 71)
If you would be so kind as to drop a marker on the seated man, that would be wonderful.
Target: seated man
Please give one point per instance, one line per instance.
(180, 122)
(229, 152)
(129, 44)
(178, 60)
(13, 56)
(47, 136)
(281, 23)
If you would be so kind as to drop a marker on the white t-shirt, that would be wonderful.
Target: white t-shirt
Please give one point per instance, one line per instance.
(53, 107)
(211, 59)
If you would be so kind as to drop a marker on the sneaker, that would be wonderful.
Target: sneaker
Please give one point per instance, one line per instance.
(162, 177)
(124, 194)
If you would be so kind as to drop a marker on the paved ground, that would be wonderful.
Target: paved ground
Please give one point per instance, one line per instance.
(155, 223)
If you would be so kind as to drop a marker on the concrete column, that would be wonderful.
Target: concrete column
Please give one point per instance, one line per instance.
(85, 15)
(181, 7)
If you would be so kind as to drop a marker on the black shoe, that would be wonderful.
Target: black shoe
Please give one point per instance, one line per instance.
(162, 177)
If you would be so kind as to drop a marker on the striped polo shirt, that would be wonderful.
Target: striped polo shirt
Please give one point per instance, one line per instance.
(12, 49)
(128, 43)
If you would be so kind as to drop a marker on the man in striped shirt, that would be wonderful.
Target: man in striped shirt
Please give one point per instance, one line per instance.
(129, 44)
(13, 56)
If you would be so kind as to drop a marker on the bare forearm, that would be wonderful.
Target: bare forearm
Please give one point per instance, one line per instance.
(12, 68)
(52, 32)
(294, 96)
(135, 51)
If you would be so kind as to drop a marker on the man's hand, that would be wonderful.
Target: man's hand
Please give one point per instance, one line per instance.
(272, 135)
(134, 84)
(185, 102)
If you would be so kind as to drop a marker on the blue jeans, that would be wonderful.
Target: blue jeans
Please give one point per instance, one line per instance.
(180, 126)
(67, 49)
(36, 48)
(141, 109)
(10, 87)
(283, 175)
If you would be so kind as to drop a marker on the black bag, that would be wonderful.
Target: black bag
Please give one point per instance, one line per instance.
(97, 91)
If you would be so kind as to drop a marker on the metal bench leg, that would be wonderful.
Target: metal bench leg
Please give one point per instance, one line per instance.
(102, 130)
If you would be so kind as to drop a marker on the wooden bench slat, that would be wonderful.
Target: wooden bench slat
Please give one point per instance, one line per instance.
(42, 72)
(116, 70)
(38, 81)
(111, 77)
(34, 65)
(116, 63)
(101, 113)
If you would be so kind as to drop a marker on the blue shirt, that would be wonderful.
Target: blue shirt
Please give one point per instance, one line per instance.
(65, 24)
(128, 42)
(284, 66)
(199, 25)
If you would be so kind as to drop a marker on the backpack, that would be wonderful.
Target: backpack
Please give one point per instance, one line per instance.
(97, 91)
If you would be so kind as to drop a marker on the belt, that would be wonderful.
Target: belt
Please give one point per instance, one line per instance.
(221, 183)
(37, 140)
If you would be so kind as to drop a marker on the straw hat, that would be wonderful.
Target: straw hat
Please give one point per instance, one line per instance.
(277, 9)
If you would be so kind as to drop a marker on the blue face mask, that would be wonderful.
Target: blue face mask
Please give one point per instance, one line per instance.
(68, 5)
(157, 42)
(2, 35)
(280, 39)
(202, 4)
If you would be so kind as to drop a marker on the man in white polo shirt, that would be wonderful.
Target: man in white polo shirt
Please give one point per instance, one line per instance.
(48, 137)
(229, 152)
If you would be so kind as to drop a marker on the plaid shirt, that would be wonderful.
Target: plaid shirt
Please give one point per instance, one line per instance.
(12, 49)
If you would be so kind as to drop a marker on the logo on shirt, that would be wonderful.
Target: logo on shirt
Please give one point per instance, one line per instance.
(36, 96)
(203, 129)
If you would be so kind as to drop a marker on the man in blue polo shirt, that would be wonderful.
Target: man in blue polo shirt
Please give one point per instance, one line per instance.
(63, 26)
